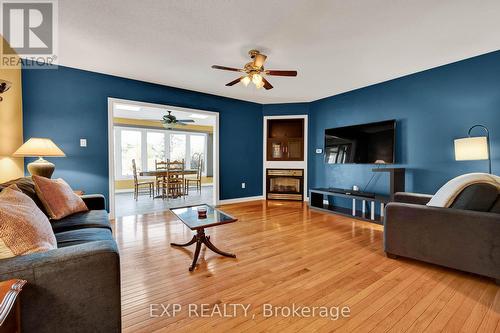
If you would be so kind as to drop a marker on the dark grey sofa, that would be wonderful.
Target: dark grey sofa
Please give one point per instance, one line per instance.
(465, 236)
(76, 287)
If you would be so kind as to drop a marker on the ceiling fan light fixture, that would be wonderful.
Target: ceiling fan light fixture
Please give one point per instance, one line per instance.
(246, 80)
(260, 84)
(254, 72)
(257, 79)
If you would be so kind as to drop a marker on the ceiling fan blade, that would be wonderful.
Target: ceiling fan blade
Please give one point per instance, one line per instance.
(281, 73)
(259, 60)
(186, 121)
(232, 83)
(224, 68)
(267, 85)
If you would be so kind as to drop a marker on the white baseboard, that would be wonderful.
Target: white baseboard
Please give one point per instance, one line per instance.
(237, 200)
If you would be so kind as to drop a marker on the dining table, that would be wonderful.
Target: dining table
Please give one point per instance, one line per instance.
(163, 173)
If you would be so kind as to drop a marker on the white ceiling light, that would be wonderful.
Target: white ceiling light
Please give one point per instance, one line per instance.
(245, 80)
(128, 107)
(198, 116)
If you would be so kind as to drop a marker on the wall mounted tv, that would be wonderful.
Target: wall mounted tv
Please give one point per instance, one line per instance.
(364, 144)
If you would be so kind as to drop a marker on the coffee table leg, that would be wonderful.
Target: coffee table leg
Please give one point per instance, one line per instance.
(192, 241)
(212, 247)
(196, 254)
(200, 238)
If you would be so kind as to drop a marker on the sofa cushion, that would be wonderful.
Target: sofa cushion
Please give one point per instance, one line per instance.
(26, 185)
(90, 219)
(57, 197)
(24, 229)
(478, 197)
(80, 236)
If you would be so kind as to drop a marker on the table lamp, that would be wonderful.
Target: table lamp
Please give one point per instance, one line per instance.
(39, 147)
(474, 148)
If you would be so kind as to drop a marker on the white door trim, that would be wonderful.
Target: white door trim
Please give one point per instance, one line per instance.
(284, 164)
(111, 157)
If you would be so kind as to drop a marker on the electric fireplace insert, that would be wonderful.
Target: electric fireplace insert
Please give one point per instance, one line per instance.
(285, 184)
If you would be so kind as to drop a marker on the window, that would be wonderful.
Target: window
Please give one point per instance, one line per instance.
(177, 147)
(149, 145)
(197, 147)
(156, 148)
(130, 149)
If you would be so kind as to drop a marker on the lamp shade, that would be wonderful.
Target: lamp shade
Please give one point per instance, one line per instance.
(474, 148)
(39, 147)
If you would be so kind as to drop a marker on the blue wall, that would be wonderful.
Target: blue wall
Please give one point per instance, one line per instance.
(432, 109)
(67, 104)
(285, 109)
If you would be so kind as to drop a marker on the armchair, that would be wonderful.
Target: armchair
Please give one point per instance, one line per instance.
(462, 239)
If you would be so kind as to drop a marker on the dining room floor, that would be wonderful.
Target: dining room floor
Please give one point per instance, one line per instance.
(125, 204)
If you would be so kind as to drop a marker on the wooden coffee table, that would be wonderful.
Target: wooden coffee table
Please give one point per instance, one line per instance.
(189, 216)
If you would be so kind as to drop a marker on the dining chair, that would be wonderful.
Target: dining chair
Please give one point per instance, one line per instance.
(197, 179)
(160, 165)
(174, 180)
(139, 185)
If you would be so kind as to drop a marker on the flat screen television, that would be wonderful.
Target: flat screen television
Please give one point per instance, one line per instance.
(363, 144)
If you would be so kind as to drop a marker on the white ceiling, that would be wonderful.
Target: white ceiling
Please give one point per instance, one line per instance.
(155, 113)
(336, 45)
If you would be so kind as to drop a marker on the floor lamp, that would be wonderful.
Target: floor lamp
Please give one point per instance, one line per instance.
(474, 148)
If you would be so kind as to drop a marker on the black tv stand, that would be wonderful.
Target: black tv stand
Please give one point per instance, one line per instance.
(318, 196)
(352, 192)
(362, 211)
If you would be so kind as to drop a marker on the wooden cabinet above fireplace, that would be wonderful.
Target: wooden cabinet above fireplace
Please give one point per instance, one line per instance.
(285, 139)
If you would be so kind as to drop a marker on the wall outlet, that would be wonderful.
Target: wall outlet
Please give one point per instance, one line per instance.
(83, 142)
(243, 185)
(319, 151)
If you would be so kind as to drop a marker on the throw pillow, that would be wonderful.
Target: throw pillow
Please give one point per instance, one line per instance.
(496, 206)
(477, 197)
(57, 197)
(26, 185)
(24, 228)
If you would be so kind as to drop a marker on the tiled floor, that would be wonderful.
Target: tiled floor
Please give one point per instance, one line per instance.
(126, 205)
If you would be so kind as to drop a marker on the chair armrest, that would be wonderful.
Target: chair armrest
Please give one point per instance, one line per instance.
(460, 239)
(94, 201)
(412, 198)
(70, 289)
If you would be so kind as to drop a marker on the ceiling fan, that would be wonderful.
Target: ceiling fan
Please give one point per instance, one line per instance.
(255, 72)
(170, 121)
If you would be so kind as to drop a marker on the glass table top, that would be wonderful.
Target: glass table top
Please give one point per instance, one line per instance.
(189, 216)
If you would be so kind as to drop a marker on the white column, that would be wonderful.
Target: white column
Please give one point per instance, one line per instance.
(363, 207)
(382, 209)
(372, 210)
(353, 207)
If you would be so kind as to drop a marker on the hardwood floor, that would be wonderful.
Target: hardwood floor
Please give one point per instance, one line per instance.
(289, 254)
